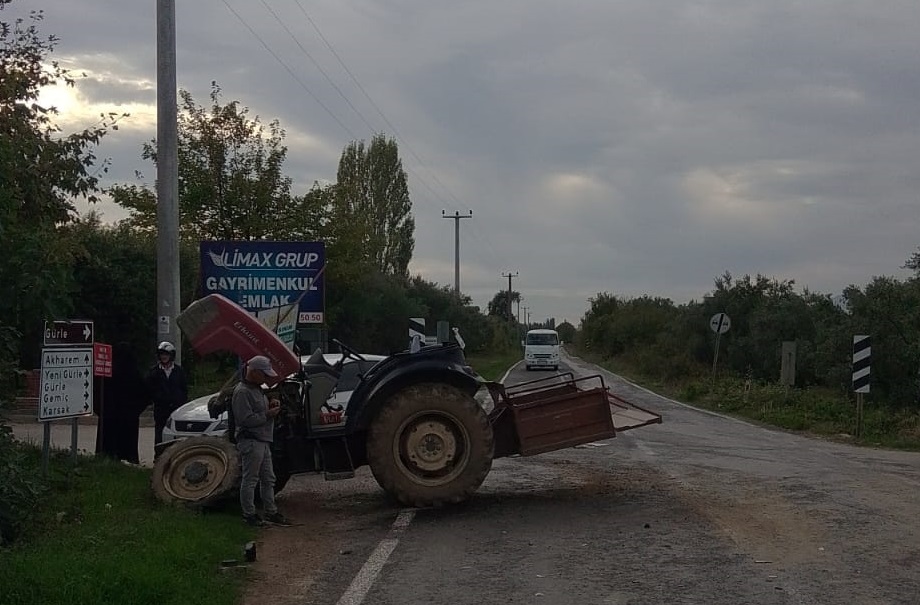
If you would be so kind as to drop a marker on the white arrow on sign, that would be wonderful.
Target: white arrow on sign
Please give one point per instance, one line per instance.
(86, 332)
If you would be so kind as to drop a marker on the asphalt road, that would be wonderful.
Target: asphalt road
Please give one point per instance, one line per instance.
(701, 509)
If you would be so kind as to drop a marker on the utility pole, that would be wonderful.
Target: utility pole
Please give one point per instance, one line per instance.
(509, 275)
(526, 323)
(168, 299)
(519, 309)
(456, 216)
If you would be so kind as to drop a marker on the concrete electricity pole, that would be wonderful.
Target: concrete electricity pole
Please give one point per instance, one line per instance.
(456, 216)
(509, 275)
(168, 299)
(526, 315)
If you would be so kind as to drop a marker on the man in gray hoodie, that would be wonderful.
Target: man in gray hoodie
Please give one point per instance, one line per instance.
(255, 415)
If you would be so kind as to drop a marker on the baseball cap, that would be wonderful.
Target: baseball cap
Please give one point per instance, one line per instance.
(261, 362)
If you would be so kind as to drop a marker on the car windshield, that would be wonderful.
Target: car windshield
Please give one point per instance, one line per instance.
(542, 339)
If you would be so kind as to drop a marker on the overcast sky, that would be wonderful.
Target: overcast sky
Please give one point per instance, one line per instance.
(630, 146)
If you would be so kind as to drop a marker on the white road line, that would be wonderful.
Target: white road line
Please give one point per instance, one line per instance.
(505, 377)
(362, 582)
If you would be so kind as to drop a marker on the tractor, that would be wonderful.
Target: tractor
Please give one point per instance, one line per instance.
(423, 420)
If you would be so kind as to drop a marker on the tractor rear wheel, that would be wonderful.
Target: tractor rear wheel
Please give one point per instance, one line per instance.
(430, 444)
(197, 472)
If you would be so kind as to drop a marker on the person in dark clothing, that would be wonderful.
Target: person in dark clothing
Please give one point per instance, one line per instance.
(124, 398)
(168, 387)
(255, 423)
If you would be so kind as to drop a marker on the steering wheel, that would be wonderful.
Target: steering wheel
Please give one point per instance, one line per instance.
(348, 351)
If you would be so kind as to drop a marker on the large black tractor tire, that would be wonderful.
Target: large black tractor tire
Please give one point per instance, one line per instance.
(430, 444)
(198, 472)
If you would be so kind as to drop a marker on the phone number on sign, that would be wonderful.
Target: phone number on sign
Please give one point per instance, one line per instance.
(310, 318)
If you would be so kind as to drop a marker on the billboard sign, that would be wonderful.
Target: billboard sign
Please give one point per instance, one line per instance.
(261, 276)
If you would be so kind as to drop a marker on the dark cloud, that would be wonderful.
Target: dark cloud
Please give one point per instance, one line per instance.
(639, 147)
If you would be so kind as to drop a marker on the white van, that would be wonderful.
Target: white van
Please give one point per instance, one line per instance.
(541, 349)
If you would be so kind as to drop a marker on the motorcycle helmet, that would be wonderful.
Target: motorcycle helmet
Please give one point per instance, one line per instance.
(168, 348)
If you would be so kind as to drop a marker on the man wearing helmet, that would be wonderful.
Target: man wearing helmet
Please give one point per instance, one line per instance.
(168, 387)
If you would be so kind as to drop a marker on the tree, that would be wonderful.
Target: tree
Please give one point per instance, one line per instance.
(913, 263)
(889, 311)
(231, 184)
(372, 217)
(43, 172)
(566, 331)
(499, 306)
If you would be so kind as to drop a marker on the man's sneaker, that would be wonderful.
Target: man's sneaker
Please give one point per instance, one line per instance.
(277, 518)
(254, 520)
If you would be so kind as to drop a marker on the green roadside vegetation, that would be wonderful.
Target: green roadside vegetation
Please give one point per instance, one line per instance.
(817, 411)
(492, 365)
(94, 534)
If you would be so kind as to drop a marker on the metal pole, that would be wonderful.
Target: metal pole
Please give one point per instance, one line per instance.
(715, 358)
(859, 415)
(46, 446)
(168, 298)
(509, 275)
(73, 440)
(456, 216)
(457, 256)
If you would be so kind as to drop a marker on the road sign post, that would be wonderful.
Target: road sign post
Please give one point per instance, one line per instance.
(862, 361)
(719, 323)
(66, 386)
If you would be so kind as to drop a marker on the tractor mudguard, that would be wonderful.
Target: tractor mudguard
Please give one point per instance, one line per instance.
(441, 364)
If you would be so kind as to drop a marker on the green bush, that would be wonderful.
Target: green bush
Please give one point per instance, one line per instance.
(22, 484)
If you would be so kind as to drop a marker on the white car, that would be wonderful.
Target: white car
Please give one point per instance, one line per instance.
(193, 418)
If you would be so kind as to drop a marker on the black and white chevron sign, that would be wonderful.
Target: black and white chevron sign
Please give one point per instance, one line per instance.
(862, 357)
(417, 328)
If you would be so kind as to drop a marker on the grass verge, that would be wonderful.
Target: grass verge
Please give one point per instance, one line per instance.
(492, 366)
(100, 537)
(820, 412)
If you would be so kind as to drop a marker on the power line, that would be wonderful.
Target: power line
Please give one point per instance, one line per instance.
(374, 105)
(317, 65)
(393, 128)
(289, 70)
(329, 79)
(364, 92)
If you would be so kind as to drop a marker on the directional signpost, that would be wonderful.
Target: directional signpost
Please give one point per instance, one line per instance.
(68, 333)
(66, 384)
(66, 378)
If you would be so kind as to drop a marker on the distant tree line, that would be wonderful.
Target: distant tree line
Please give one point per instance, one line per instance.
(674, 342)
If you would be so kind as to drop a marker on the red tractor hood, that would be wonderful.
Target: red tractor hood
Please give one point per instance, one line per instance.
(216, 323)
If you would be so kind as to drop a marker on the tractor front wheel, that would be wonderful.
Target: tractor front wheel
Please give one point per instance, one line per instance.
(198, 472)
(430, 444)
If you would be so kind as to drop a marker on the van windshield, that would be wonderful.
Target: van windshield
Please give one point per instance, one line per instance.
(542, 339)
